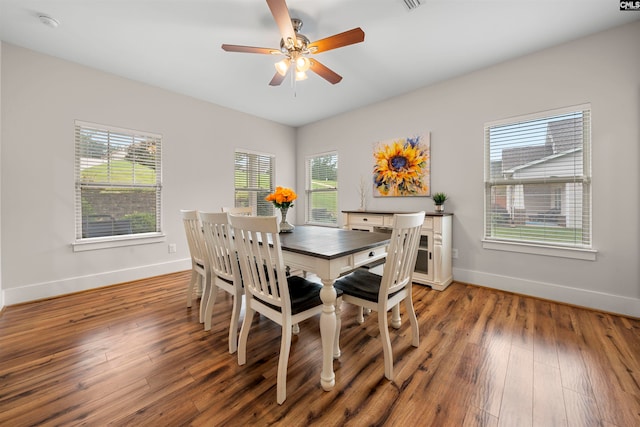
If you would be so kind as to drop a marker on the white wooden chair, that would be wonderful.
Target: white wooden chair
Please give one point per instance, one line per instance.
(222, 260)
(268, 290)
(244, 210)
(382, 293)
(200, 273)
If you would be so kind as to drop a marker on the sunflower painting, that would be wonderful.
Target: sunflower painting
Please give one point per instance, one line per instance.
(401, 167)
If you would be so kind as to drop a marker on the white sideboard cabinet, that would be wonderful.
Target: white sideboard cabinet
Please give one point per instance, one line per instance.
(433, 266)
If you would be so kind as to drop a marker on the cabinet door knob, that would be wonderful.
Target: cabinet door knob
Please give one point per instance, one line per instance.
(372, 253)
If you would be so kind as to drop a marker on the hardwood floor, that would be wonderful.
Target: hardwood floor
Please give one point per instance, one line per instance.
(134, 354)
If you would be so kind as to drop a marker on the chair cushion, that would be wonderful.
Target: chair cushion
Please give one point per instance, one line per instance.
(226, 280)
(303, 293)
(361, 284)
(374, 264)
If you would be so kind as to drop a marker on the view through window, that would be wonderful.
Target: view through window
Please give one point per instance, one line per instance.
(322, 189)
(118, 181)
(538, 179)
(254, 178)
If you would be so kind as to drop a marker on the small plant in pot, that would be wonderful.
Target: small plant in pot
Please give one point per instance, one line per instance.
(439, 199)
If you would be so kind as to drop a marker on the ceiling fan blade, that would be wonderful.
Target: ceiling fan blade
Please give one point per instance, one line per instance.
(250, 49)
(281, 15)
(353, 36)
(324, 72)
(277, 79)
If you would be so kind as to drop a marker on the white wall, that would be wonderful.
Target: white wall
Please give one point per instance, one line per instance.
(42, 96)
(1, 292)
(603, 69)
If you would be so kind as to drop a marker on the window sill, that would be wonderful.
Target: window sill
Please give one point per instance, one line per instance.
(527, 248)
(116, 242)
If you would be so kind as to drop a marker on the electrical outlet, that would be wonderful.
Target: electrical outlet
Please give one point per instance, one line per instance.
(454, 253)
(172, 248)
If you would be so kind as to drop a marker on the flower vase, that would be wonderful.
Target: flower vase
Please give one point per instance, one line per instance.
(285, 227)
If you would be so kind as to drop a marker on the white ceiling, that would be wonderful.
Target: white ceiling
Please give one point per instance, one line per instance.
(175, 44)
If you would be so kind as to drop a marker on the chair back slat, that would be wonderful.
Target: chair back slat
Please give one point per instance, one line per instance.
(257, 241)
(402, 252)
(195, 239)
(219, 249)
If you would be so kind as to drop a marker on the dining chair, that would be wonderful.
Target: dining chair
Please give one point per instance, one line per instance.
(200, 272)
(382, 293)
(268, 290)
(222, 260)
(243, 210)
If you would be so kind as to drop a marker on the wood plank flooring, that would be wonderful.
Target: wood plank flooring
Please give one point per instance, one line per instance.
(134, 354)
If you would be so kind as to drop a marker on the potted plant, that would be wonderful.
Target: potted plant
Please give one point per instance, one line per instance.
(439, 199)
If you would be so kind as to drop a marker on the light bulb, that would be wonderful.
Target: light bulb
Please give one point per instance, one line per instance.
(282, 67)
(301, 75)
(302, 64)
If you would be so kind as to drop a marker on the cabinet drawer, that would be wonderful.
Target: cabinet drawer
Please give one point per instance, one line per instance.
(364, 219)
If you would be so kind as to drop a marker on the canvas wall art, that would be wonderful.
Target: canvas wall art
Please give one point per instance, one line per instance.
(401, 167)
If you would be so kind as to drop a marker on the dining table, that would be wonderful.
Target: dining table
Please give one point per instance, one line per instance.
(329, 253)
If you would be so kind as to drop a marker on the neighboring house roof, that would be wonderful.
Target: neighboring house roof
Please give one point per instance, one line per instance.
(517, 156)
(563, 137)
(542, 160)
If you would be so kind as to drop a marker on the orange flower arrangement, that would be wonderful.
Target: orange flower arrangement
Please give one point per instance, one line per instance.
(282, 198)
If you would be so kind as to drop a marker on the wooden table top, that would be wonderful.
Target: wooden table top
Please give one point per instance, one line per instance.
(330, 243)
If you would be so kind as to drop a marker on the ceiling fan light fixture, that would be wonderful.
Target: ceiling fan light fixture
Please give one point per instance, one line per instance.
(282, 66)
(302, 64)
(301, 75)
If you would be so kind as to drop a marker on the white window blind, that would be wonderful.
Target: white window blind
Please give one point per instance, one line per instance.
(254, 180)
(118, 182)
(538, 179)
(322, 189)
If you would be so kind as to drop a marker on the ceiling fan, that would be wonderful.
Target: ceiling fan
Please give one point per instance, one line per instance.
(296, 47)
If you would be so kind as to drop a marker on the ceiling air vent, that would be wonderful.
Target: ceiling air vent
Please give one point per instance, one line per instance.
(412, 4)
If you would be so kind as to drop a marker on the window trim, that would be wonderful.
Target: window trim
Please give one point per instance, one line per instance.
(537, 249)
(104, 242)
(309, 191)
(540, 248)
(94, 243)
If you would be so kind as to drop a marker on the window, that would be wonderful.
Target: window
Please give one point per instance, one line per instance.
(254, 178)
(538, 179)
(322, 189)
(118, 183)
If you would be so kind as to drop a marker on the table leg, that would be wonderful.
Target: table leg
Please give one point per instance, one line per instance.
(328, 333)
(396, 322)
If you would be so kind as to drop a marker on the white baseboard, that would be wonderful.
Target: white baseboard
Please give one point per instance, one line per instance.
(580, 297)
(70, 285)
